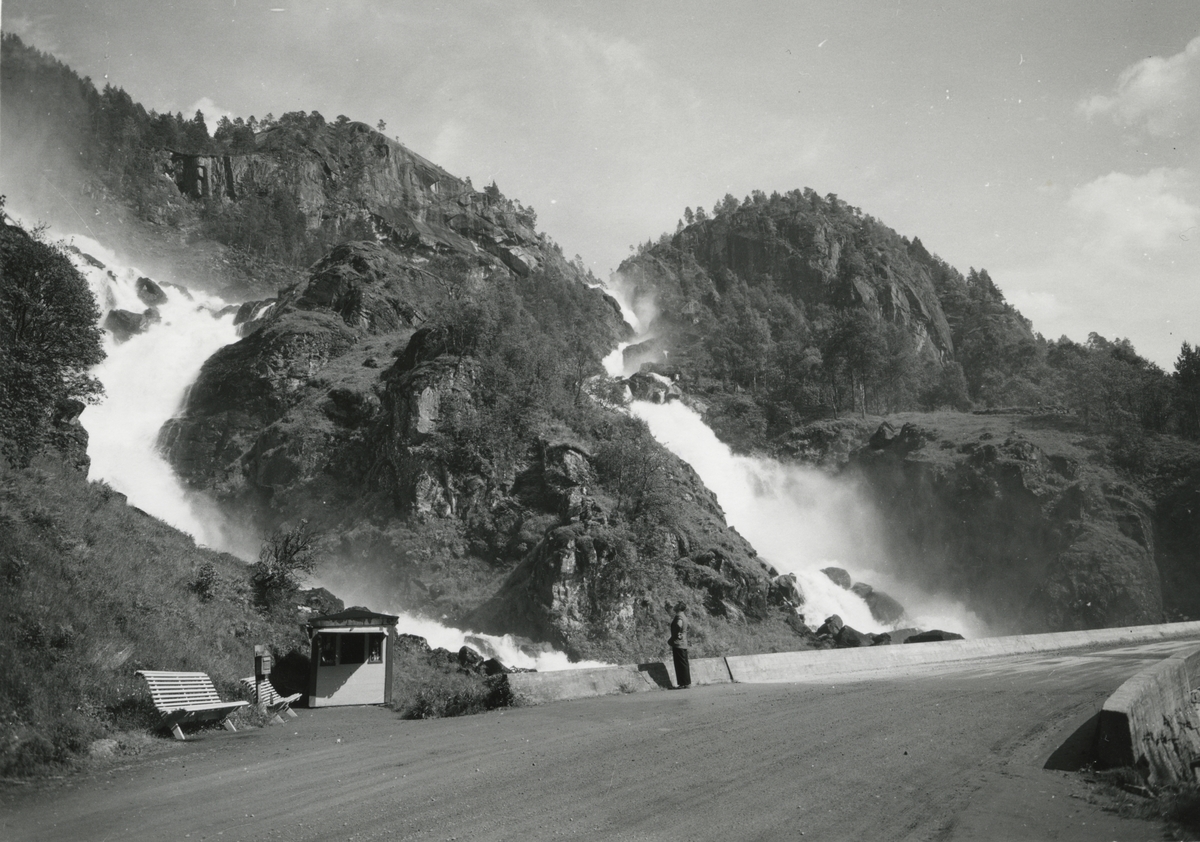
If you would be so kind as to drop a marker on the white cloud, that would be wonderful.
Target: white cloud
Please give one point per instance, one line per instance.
(1126, 217)
(1159, 94)
(212, 112)
(1127, 268)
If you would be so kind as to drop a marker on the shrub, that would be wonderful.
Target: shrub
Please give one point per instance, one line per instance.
(285, 554)
(206, 581)
(49, 338)
(457, 695)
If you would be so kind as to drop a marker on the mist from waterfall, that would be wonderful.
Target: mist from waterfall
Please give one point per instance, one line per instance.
(146, 379)
(799, 518)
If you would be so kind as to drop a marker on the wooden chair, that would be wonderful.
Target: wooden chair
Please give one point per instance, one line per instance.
(184, 697)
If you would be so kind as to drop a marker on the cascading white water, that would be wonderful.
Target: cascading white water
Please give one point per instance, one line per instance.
(146, 379)
(506, 648)
(798, 518)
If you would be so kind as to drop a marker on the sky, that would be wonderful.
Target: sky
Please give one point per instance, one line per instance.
(1053, 144)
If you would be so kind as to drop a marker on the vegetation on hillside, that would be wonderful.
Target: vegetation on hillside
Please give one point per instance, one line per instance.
(103, 142)
(94, 590)
(785, 308)
(49, 339)
(91, 589)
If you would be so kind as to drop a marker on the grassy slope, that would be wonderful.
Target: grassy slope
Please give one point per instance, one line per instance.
(93, 590)
(1146, 460)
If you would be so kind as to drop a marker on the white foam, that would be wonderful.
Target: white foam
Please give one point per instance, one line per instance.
(145, 382)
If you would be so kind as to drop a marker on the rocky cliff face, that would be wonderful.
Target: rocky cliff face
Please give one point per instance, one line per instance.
(1177, 533)
(588, 572)
(813, 252)
(365, 399)
(347, 180)
(1023, 527)
(785, 308)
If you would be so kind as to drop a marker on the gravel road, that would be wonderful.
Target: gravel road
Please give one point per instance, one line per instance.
(947, 752)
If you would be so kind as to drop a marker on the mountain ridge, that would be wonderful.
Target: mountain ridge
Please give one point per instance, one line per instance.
(429, 355)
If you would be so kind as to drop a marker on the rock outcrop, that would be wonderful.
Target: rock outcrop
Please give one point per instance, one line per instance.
(815, 257)
(348, 180)
(356, 400)
(123, 324)
(1030, 540)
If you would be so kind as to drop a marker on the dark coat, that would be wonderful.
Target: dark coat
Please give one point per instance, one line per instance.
(679, 627)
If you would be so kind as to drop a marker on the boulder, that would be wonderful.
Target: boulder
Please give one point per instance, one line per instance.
(795, 620)
(839, 576)
(470, 661)
(123, 324)
(655, 388)
(785, 589)
(182, 290)
(883, 608)
(652, 351)
(882, 437)
(909, 439)
(494, 666)
(832, 625)
(851, 638)
(412, 644)
(932, 636)
(151, 294)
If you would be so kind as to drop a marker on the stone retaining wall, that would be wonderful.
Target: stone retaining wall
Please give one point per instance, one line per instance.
(1151, 722)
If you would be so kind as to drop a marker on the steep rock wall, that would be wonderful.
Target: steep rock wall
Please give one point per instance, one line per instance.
(1029, 540)
(351, 178)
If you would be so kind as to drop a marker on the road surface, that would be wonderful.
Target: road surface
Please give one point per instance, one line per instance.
(938, 752)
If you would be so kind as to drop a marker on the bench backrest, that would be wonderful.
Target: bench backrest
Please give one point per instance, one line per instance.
(267, 693)
(171, 690)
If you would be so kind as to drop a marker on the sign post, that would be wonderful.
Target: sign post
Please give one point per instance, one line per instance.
(262, 669)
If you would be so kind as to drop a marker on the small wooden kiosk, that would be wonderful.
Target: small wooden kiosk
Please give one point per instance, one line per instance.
(351, 658)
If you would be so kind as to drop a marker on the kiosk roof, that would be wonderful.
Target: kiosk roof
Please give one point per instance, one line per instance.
(356, 616)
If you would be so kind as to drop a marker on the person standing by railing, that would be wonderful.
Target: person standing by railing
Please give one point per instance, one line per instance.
(679, 647)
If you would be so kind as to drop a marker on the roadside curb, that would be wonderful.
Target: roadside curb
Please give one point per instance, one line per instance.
(790, 667)
(1151, 723)
(784, 667)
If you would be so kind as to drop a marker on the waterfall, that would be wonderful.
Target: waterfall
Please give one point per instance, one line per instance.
(146, 379)
(798, 518)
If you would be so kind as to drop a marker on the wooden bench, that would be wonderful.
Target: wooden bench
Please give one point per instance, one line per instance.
(269, 698)
(183, 697)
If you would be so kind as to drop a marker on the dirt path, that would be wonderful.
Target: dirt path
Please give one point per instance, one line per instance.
(947, 753)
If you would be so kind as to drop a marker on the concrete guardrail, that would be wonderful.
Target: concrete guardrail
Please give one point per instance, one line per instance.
(1151, 722)
(785, 667)
(782, 667)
